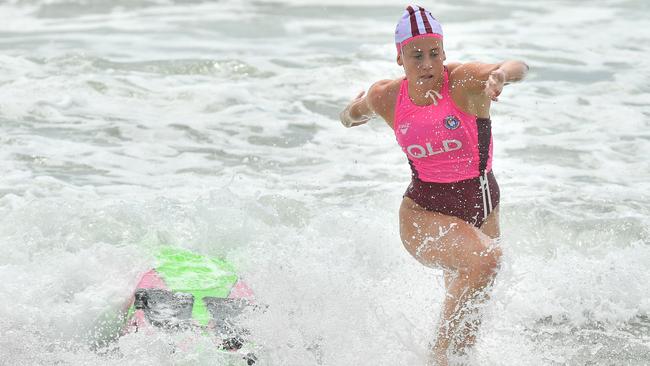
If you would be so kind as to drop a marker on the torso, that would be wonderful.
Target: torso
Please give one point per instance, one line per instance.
(442, 141)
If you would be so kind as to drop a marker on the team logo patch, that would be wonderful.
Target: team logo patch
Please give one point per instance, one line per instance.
(404, 128)
(452, 122)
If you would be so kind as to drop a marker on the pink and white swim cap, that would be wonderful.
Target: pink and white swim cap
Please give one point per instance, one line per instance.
(416, 22)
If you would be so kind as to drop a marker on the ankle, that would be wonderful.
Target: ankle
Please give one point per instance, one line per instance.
(440, 348)
(438, 356)
(461, 348)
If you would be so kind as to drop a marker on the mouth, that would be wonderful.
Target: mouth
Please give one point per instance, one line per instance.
(426, 77)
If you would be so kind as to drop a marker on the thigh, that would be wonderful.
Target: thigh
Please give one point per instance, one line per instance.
(436, 239)
(490, 226)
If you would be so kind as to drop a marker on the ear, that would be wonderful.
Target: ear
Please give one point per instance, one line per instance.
(444, 55)
(399, 59)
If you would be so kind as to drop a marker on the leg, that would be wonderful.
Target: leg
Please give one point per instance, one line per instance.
(491, 226)
(467, 335)
(435, 239)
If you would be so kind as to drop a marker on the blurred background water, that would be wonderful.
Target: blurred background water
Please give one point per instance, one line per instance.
(128, 125)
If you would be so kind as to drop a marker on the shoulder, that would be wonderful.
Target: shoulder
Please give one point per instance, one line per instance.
(471, 76)
(382, 95)
(381, 88)
(451, 66)
(467, 82)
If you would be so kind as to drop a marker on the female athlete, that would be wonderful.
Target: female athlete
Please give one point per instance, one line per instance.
(449, 216)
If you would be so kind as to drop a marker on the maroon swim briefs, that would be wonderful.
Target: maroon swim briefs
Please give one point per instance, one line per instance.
(471, 200)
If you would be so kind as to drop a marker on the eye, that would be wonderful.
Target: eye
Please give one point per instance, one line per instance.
(418, 56)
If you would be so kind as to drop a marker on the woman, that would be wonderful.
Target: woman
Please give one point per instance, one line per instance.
(440, 115)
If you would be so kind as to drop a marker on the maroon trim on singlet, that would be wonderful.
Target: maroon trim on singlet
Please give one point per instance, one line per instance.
(484, 127)
(414, 173)
(462, 199)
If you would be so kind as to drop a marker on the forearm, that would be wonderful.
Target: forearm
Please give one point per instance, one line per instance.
(356, 113)
(513, 70)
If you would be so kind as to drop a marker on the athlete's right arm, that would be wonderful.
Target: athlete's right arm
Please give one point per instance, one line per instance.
(364, 107)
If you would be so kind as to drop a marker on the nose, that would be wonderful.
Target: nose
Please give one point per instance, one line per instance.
(427, 63)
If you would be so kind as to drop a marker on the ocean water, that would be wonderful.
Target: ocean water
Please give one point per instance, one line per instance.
(129, 125)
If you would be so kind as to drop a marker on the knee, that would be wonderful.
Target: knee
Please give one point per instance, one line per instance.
(494, 259)
(490, 261)
(485, 267)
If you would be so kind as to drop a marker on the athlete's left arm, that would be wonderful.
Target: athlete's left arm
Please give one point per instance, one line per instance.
(476, 77)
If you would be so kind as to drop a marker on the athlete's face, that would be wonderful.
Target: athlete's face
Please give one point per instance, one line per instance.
(422, 60)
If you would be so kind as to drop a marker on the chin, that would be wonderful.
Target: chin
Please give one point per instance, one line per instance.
(425, 81)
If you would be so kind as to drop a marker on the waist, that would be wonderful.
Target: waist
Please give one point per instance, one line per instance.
(453, 185)
(459, 168)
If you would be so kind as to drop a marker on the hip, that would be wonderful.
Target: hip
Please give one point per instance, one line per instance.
(471, 200)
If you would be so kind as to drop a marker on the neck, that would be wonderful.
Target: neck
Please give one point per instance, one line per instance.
(421, 94)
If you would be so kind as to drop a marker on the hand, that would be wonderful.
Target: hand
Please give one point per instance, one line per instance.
(345, 117)
(494, 84)
(361, 94)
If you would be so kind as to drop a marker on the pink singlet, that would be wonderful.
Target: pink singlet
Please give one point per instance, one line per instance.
(450, 154)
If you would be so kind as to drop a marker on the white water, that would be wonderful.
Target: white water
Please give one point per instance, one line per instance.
(128, 125)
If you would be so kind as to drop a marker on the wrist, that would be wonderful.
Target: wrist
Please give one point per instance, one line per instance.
(349, 121)
(345, 117)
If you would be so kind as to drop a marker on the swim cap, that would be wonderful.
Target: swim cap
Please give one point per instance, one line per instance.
(416, 22)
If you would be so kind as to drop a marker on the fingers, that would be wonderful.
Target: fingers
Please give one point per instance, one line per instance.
(498, 76)
(494, 84)
(360, 94)
(493, 92)
(494, 95)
